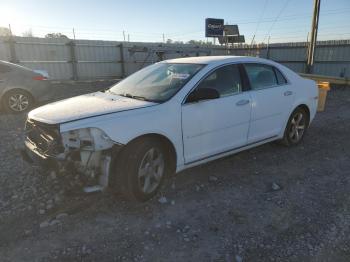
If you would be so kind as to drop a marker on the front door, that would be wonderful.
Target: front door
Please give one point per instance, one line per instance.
(215, 126)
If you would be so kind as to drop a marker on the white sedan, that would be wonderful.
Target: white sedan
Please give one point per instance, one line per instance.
(170, 116)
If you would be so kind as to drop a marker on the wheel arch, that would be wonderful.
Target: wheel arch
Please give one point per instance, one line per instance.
(165, 141)
(300, 105)
(307, 110)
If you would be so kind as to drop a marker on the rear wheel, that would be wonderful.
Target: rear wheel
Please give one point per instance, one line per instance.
(297, 125)
(144, 169)
(17, 101)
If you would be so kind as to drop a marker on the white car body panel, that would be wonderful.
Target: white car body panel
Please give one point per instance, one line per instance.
(267, 119)
(83, 106)
(206, 136)
(199, 132)
(163, 119)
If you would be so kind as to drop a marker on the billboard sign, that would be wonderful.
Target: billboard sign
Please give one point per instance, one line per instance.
(231, 30)
(232, 39)
(214, 27)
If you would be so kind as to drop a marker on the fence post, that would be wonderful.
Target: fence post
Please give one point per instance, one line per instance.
(268, 51)
(73, 59)
(13, 55)
(122, 61)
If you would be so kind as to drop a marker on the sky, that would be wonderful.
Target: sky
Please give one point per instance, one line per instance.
(180, 20)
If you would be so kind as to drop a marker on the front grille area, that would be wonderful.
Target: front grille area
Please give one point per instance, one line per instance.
(46, 138)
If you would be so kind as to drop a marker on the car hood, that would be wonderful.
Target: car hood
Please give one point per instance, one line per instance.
(89, 105)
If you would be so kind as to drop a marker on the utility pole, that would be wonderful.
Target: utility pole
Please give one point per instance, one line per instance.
(124, 35)
(73, 33)
(12, 43)
(268, 48)
(313, 38)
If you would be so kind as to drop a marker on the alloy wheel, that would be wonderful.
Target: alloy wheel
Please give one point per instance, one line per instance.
(18, 102)
(297, 127)
(151, 170)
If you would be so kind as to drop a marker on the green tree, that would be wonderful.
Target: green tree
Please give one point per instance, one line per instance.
(56, 35)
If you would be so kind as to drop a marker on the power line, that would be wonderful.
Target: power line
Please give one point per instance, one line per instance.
(268, 20)
(261, 16)
(289, 17)
(279, 14)
(172, 34)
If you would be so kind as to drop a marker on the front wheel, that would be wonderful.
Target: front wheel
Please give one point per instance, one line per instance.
(297, 125)
(144, 169)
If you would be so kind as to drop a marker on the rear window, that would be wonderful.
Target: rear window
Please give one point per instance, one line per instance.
(260, 76)
(4, 68)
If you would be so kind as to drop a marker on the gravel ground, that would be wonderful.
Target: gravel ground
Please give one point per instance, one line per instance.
(269, 203)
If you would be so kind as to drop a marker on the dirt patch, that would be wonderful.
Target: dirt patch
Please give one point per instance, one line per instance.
(270, 203)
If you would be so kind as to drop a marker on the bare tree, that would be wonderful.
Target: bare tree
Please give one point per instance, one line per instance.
(4, 31)
(28, 33)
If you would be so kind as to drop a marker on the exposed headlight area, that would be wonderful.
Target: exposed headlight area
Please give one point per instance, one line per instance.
(89, 149)
(44, 138)
(88, 139)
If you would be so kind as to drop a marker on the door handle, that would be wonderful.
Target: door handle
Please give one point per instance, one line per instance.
(242, 102)
(288, 93)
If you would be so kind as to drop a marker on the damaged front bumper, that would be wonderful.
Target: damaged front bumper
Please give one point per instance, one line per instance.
(31, 154)
(87, 151)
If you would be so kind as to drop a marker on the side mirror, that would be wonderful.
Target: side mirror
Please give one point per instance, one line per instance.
(202, 94)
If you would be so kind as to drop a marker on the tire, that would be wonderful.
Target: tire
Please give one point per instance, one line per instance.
(17, 101)
(296, 128)
(144, 166)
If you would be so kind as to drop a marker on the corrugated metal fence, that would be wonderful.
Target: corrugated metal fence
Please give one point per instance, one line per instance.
(65, 59)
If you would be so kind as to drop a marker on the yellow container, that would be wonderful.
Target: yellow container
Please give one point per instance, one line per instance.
(323, 88)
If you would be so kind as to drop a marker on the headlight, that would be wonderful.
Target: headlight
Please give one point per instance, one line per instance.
(91, 139)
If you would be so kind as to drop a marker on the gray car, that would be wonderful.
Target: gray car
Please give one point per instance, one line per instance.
(21, 88)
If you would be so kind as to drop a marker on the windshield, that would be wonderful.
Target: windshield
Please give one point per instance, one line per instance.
(156, 83)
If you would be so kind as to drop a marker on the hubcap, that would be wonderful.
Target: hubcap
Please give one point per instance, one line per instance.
(18, 102)
(297, 127)
(151, 170)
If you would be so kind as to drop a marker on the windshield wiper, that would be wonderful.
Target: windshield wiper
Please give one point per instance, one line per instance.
(135, 97)
(108, 90)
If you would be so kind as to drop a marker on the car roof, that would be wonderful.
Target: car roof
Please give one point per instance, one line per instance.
(217, 59)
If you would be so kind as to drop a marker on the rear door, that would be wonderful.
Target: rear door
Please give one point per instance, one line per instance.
(272, 99)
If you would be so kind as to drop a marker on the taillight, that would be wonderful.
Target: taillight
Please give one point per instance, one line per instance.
(39, 78)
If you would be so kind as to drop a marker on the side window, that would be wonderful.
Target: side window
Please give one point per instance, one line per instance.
(280, 78)
(4, 69)
(260, 76)
(226, 80)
